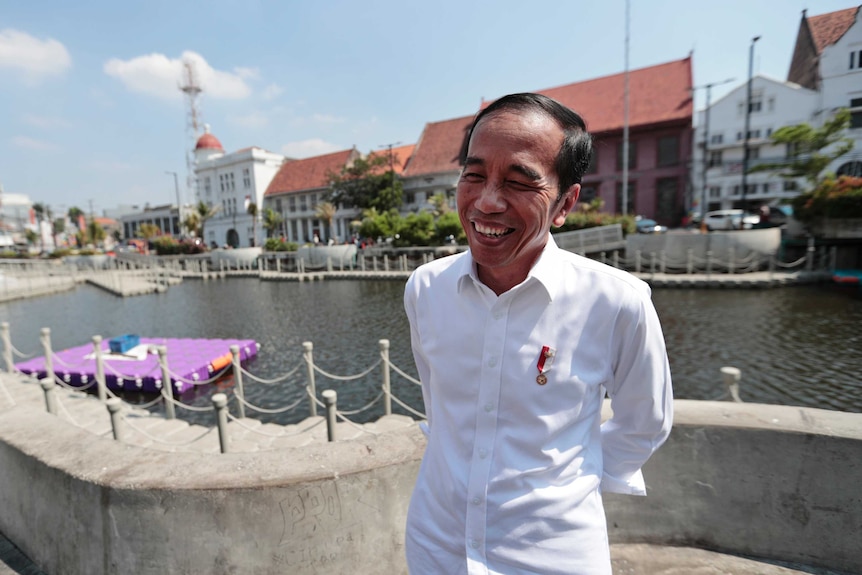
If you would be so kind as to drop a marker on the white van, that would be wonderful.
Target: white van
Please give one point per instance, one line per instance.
(730, 220)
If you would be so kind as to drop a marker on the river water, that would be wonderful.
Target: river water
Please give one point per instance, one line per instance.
(794, 345)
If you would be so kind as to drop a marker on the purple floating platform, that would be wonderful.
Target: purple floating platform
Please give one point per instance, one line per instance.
(189, 361)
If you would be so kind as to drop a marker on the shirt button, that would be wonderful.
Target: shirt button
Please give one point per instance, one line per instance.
(489, 407)
(498, 314)
(474, 544)
(492, 362)
(476, 501)
(483, 453)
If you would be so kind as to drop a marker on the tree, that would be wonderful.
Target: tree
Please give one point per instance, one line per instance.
(252, 211)
(39, 209)
(440, 204)
(74, 213)
(366, 183)
(204, 211)
(326, 211)
(810, 149)
(271, 221)
(192, 223)
(148, 231)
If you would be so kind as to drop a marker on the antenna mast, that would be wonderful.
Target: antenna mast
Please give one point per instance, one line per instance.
(192, 90)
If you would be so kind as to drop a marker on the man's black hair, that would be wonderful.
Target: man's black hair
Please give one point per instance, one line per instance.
(573, 159)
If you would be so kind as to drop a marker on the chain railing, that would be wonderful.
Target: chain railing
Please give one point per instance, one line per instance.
(118, 408)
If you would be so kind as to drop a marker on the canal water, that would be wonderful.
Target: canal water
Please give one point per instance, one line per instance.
(794, 345)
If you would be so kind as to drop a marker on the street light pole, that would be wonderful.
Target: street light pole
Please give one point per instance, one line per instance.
(706, 110)
(745, 150)
(179, 205)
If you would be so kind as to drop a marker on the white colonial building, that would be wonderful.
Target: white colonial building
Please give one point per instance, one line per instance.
(774, 104)
(825, 75)
(229, 183)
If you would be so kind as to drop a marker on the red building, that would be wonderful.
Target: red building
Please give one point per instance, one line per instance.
(660, 138)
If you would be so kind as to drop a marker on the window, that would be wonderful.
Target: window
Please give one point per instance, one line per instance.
(852, 60)
(753, 134)
(668, 151)
(856, 107)
(716, 139)
(409, 198)
(853, 169)
(771, 104)
(793, 149)
(667, 190)
(756, 103)
(715, 191)
(207, 186)
(291, 204)
(221, 182)
(278, 205)
(303, 203)
(738, 136)
(736, 189)
(768, 132)
(246, 178)
(633, 152)
(231, 185)
(594, 162)
(790, 186)
(753, 153)
(588, 194)
(630, 200)
(715, 158)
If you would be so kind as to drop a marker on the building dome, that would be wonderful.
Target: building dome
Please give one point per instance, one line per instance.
(208, 142)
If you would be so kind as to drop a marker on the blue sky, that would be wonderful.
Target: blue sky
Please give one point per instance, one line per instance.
(90, 113)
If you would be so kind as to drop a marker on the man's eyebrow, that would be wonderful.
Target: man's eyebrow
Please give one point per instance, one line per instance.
(473, 161)
(526, 172)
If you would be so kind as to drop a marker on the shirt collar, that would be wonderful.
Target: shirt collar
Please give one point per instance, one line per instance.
(544, 271)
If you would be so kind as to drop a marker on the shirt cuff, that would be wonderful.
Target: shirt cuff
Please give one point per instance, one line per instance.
(423, 425)
(634, 485)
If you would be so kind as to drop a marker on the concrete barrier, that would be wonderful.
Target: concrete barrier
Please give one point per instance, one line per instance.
(767, 481)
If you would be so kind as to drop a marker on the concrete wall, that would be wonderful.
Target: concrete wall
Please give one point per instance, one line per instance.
(769, 481)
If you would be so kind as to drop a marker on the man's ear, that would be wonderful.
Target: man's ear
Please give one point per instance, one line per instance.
(565, 205)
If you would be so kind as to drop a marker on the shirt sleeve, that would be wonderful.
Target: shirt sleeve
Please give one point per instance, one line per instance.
(422, 366)
(641, 398)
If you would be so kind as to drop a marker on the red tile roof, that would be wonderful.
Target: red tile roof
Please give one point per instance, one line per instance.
(826, 29)
(308, 173)
(400, 154)
(439, 147)
(657, 94)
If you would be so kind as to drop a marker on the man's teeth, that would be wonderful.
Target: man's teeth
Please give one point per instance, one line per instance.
(489, 231)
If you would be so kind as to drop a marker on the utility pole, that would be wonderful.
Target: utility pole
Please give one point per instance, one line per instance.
(745, 150)
(391, 161)
(709, 88)
(625, 183)
(179, 205)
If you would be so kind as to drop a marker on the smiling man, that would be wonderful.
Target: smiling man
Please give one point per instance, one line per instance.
(516, 343)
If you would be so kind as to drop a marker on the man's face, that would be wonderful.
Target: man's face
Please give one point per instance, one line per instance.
(507, 194)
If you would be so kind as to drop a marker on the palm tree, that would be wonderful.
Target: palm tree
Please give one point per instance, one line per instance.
(204, 211)
(192, 223)
(252, 211)
(326, 211)
(149, 231)
(271, 221)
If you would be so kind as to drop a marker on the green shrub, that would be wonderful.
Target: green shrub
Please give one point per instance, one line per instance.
(278, 245)
(832, 198)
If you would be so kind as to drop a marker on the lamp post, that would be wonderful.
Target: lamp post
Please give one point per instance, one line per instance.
(745, 150)
(706, 110)
(179, 205)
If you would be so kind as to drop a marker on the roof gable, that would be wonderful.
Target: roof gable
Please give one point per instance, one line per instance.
(400, 157)
(309, 173)
(439, 147)
(657, 94)
(826, 29)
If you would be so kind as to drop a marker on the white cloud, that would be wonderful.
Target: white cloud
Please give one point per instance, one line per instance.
(252, 120)
(28, 143)
(45, 122)
(309, 148)
(326, 119)
(247, 73)
(272, 91)
(36, 58)
(160, 76)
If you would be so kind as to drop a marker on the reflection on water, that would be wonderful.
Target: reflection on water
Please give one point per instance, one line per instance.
(795, 346)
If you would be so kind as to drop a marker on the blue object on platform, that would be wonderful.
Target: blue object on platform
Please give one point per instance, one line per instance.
(123, 343)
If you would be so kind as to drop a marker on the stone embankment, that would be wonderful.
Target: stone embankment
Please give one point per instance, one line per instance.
(733, 480)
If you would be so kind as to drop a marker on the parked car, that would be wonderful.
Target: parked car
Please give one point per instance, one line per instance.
(648, 226)
(730, 220)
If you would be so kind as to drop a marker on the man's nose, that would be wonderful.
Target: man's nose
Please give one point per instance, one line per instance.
(491, 198)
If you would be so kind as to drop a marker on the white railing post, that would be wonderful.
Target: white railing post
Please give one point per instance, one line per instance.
(7, 347)
(387, 391)
(237, 375)
(330, 398)
(731, 265)
(167, 385)
(220, 404)
(50, 400)
(731, 376)
(708, 262)
(689, 258)
(307, 352)
(809, 261)
(49, 355)
(100, 368)
(115, 405)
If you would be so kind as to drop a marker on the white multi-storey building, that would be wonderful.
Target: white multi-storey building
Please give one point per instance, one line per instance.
(774, 104)
(825, 75)
(229, 183)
